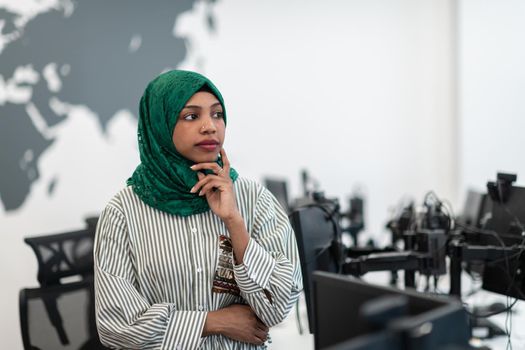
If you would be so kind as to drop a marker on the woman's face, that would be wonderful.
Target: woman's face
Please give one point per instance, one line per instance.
(199, 132)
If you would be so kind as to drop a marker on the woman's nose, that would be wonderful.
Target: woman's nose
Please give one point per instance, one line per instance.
(208, 126)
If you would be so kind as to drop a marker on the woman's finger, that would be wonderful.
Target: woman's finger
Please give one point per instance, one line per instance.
(209, 166)
(203, 180)
(225, 161)
(261, 334)
(261, 337)
(211, 186)
(262, 326)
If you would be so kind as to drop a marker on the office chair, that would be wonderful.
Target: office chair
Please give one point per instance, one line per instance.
(91, 223)
(60, 314)
(63, 255)
(69, 324)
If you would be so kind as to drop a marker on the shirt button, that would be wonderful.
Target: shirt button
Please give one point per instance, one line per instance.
(179, 347)
(201, 308)
(199, 270)
(193, 230)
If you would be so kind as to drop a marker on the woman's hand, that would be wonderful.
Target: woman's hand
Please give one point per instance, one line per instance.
(219, 192)
(237, 322)
(218, 188)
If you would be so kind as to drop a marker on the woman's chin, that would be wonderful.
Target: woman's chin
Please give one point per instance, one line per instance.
(205, 159)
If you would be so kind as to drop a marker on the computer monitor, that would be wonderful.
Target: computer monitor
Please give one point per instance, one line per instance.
(507, 221)
(474, 208)
(352, 314)
(317, 241)
(279, 189)
(508, 217)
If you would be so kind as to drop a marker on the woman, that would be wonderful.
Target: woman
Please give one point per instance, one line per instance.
(189, 255)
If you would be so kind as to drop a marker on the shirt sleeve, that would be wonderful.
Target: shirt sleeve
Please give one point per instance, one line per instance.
(270, 276)
(125, 319)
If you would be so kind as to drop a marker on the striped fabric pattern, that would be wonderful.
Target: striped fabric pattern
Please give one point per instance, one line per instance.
(154, 271)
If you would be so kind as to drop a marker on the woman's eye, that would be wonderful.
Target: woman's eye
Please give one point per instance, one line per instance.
(218, 115)
(190, 116)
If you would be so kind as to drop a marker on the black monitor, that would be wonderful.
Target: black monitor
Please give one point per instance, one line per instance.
(279, 189)
(475, 208)
(355, 315)
(508, 217)
(317, 241)
(507, 221)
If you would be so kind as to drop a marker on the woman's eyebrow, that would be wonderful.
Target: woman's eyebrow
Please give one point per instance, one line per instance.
(192, 106)
(199, 107)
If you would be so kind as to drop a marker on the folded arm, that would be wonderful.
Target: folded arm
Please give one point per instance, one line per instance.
(125, 319)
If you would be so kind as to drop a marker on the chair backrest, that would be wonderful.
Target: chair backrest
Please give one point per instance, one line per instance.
(63, 255)
(91, 223)
(59, 317)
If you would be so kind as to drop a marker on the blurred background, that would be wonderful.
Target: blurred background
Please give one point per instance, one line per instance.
(385, 98)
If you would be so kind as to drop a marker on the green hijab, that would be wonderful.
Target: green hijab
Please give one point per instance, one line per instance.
(163, 179)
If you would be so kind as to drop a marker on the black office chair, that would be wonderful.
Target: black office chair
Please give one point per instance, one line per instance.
(60, 314)
(68, 324)
(63, 255)
(91, 223)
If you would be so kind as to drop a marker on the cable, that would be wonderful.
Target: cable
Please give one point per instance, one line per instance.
(298, 317)
(518, 258)
(489, 314)
(508, 324)
(512, 279)
(508, 318)
(443, 207)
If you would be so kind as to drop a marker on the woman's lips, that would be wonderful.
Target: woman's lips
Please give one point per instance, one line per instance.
(208, 145)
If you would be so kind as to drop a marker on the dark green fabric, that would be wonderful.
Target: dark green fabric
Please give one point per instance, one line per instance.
(163, 179)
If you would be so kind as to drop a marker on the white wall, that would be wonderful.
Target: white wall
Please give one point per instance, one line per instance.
(491, 90)
(358, 92)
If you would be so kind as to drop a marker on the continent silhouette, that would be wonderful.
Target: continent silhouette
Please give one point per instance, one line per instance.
(105, 52)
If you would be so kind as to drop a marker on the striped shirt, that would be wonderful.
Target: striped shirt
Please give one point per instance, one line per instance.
(157, 275)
